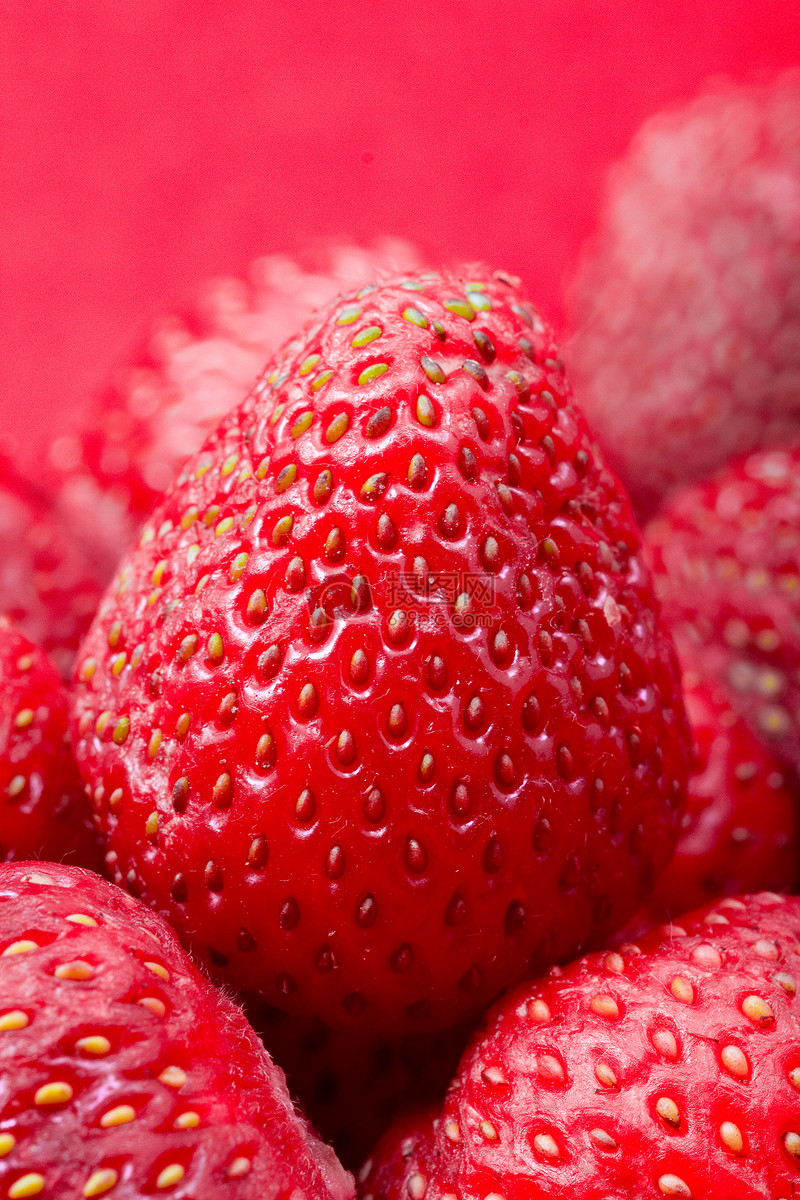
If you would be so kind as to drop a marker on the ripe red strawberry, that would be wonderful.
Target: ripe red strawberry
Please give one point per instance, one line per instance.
(380, 711)
(741, 828)
(726, 555)
(407, 1151)
(192, 370)
(688, 304)
(124, 1072)
(44, 812)
(49, 585)
(671, 1068)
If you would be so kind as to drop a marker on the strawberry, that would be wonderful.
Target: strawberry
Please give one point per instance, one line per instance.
(407, 1151)
(124, 1072)
(352, 1084)
(671, 1068)
(741, 828)
(191, 370)
(687, 306)
(48, 582)
(726, 556)
(379, 711)
(44, 812)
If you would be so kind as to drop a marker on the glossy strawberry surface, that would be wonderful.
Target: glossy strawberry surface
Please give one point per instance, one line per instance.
(687, 306)
(44, 812)
(123, 1072)
(726, 559)
(668, 1068)
(380, 711)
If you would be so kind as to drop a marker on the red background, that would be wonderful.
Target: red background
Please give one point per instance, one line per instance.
(146, 145)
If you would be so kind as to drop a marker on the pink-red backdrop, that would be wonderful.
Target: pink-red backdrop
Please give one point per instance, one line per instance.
(147, 145)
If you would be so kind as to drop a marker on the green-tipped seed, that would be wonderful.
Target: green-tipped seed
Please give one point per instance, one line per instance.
(320, 380)
(478, 301)
(426, 413)
(374, 372)
(461, 308)
(365, 336)
(416, 317)
(432, 369)
(348, 316)
(307, 366)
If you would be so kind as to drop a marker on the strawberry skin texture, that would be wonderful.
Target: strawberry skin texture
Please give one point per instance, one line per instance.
(687, 305)
(741, 828)
(124, 1072)
(44, 811)
(667, 1068)
(369, 804)
(726, 560)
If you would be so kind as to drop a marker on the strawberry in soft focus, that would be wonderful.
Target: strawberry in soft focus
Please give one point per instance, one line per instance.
(687, 306)
(124, 1072)
(50, 585)
(380, 712)
(44, 812)
(671, 1068)
(192, 370)
(726, 559)
(741, 828)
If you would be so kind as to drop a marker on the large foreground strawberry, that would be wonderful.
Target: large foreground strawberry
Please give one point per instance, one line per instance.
(379, 711)
(192, 369)
(688, 303)
(44, 812)
(123, 1072)
(726, 556)
(671, 1068)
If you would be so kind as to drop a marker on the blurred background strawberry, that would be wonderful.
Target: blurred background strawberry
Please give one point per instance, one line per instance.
(148, 148)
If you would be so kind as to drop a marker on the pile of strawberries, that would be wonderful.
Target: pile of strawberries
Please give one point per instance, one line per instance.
(404, 750)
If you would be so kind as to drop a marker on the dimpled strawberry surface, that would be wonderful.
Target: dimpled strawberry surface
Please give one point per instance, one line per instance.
(124, 1072)
(380, 713)
(668, 1068)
